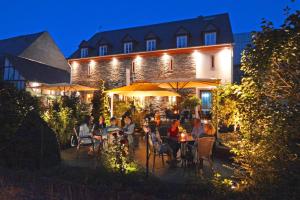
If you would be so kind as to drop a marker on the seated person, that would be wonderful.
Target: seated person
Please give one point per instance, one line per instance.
(173, 134)
(129, 130)
(85, 135)
(209, 130)
(113, 128)
(84, 131)
(197, 129)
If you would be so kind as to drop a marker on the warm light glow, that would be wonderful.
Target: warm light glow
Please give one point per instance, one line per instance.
(34, 84)
(75, 64)
(115, 61)
(166, 58)
(138, 60)
(198, 61)
(92, 63)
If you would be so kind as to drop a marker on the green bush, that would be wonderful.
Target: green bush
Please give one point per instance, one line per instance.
(14, 106)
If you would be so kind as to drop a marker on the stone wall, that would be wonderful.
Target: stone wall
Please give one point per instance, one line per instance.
(155, 67)
(113, 72)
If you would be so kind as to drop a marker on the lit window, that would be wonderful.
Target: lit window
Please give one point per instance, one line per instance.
(206, 100)
(151, 45)
(181, 41)
(102, 50)
(84, 52)
(210, 38)
(128, 47)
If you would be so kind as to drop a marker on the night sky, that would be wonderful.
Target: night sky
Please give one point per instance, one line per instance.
(70, 21)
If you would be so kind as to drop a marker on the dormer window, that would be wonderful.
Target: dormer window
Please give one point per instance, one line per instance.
(102, 50)
(128, 47)
(151, 45)
(181, 41)
(84, 52)
(210, 38)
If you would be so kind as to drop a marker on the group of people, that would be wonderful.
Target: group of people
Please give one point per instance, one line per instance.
(171, 145)
(101, 134)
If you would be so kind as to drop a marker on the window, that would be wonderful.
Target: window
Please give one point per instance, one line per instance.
(210, 38)
(151, 45)
(102, 50)
(13, 75)
(181, 41)
(133, 67)
(212, 62)
(84, 52)
(206, 100)
(171, 65)
(89, 70)
(128, 47)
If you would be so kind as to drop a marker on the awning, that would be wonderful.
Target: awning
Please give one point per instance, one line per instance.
(65, 87)
(178, 84)
(142, 89)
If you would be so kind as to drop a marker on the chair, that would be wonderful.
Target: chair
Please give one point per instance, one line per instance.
(204, 151)
(155, 152)
(81, 143)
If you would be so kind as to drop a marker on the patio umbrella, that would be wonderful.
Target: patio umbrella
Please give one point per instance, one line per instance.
(65, 87)
(179, 84)
(142, 90)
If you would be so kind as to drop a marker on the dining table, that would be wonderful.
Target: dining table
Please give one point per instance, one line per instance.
(184, 139)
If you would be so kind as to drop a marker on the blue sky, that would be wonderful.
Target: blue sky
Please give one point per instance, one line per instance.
(70, 21)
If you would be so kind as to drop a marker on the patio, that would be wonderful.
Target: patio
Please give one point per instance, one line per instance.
(221, 165)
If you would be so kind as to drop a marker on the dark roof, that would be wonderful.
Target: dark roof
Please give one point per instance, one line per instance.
(36, 57)
(164, 32)
(16, 45)
(39, 47)
(39, 72)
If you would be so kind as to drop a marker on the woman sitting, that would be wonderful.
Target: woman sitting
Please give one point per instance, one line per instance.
(173, 134)
(85, 136)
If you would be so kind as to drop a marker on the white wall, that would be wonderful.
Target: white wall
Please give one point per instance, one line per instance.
(222, 63)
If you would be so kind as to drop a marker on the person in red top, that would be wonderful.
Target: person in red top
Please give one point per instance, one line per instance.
(173, 134)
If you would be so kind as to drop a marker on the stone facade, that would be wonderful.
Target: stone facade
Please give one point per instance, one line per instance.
(155, 67)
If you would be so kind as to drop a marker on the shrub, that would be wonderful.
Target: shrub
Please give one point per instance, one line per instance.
(14, 106)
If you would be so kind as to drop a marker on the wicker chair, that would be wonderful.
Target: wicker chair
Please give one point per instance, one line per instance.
(81, 143)
(155, 152)
(204, 152)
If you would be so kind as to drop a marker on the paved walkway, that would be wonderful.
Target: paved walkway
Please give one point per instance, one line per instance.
(166, 173)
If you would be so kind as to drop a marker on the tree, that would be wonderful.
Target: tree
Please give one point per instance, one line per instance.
(100, 104)
(268, 104)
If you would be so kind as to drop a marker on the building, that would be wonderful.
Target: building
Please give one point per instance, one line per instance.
(241, 40)
(30, 60)
(199, 48)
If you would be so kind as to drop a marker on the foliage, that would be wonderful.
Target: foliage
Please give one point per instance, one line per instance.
(120, 107)
(190, 103)
(225, 110)
(61, 120)
(14, 106)
(63, 114)
(100, 104)
(117, 157)
(267, 106)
